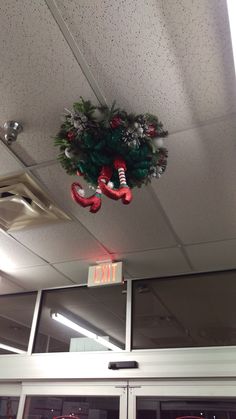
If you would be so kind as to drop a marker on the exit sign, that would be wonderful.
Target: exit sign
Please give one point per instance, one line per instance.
(105, 274)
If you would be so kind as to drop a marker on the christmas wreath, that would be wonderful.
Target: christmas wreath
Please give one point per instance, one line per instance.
(113, 151)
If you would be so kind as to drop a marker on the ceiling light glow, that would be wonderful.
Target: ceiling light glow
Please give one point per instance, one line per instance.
(11, 349)
(231, 4)
(74, 326)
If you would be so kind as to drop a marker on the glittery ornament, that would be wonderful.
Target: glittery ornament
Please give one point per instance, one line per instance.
(131, 138)
(68, 153)
(158, 142)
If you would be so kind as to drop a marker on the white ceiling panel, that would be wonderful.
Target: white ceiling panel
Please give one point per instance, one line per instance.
(155, 263)
(120, 228)
(172, 58)
(39, 277)
(9, 163)
(39, 76)
(76, 270)
(14, 255)
(213, 256)
(198, 191)
(61, 242)
(9, 287)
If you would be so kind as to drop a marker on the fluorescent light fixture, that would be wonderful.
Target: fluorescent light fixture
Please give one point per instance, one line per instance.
(231, 4)
(72, 325)
(12, 349)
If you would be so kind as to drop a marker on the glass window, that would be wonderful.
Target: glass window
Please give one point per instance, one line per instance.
(186, 311)
(83, 407)
(82, 319)
(16, 314)
(8, 407)
(152, 408)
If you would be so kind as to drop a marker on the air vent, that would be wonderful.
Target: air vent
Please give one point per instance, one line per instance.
(24, 204)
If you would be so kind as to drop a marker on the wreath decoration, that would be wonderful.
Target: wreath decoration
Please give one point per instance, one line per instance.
(114, 151)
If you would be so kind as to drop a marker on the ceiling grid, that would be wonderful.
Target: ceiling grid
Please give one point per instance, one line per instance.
(150, 61)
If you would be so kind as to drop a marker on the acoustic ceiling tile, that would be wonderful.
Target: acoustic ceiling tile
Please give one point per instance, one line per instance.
(9, 163)
(154, 263)
(76, 270)
(213, 256)
(138, 226)
(198, 191)
(9, 287)
(13, 255)
(171, 58)
(61, 242)
(39, 277)
(39, 76)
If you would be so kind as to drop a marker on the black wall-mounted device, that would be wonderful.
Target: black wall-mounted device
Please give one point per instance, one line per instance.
(122, 365)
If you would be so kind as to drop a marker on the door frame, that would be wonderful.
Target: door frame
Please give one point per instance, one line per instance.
(179, 388)
(81, 388)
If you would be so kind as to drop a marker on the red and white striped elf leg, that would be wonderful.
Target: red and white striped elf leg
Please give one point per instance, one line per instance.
(122, 177)
(124, 191)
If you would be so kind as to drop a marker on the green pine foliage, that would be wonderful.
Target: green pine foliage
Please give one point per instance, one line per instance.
(92, 137)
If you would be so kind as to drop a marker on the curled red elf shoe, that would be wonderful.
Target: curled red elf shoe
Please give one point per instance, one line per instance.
(125, 194)
(94, 201)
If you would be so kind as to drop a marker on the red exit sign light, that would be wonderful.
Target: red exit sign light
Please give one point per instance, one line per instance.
(105, 274)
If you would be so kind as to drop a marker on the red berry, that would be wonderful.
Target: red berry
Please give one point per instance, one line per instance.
(71, 135)
(151, 131)
(116, 122)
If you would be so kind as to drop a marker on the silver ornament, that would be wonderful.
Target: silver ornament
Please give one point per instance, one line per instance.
(158, 142)
(77, 123)
(68, 153)
(159, 169)
(140, 130)
(98, 115)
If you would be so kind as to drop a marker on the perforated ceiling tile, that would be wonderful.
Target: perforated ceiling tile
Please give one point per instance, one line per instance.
(8, 286)
(198, 189)
(154, 263)
(172, 58)
(14, 255)
(119, 227)
(61, 242)
(8, 163)
(39, 76)
(39, 277)
(76, 270)
(213, 256)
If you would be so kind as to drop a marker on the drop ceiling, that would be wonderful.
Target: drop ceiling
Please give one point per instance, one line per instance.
(171, 58)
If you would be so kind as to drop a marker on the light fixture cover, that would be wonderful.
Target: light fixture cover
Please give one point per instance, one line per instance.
(23, 204)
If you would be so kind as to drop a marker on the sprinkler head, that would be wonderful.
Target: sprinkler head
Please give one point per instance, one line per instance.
(12, 129)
